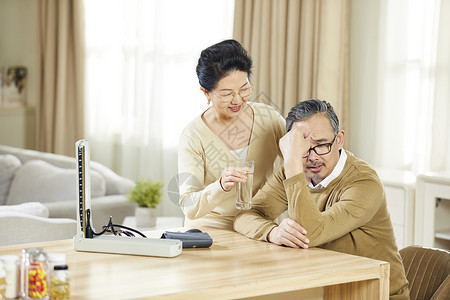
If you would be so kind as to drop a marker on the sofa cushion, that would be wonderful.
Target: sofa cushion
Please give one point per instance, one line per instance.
(40, 181)
(8, 167)
(24, 155)
(115, 184)
(30, 208)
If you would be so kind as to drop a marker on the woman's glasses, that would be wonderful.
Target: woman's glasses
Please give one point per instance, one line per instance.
(228, 96)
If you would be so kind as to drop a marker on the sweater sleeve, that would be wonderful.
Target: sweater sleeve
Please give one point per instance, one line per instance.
(352, 208)
(196, 200)
(267, 205)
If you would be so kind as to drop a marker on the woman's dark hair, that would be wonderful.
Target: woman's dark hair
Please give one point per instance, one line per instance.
(306, 109)
(221, 59)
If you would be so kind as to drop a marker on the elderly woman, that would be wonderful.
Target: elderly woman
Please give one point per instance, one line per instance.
(231, 129)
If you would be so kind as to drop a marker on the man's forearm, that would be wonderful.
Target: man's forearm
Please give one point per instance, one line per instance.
(253, 225)
(267, 205)
(292, 168)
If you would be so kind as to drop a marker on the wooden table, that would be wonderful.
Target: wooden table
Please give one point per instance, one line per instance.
(233, 267)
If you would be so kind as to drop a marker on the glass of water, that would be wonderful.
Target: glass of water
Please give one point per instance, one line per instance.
(244, 189)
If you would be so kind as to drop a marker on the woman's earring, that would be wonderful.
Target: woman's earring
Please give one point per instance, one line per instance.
(209, 101)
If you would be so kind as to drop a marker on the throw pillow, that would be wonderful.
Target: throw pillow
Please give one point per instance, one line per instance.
(8, 167)
(115, 184)
(30, 208)
(40, 181)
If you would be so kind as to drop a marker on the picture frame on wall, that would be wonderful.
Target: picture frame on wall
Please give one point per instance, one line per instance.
(13, 86)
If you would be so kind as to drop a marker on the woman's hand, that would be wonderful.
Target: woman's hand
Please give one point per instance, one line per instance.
(230, 175)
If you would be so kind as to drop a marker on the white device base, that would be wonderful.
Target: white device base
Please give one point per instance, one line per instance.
(129, 245)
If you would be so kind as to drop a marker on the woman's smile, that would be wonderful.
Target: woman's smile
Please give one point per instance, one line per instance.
(235, 108)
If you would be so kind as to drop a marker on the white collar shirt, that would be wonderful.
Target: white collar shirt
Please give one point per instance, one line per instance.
(334, 174)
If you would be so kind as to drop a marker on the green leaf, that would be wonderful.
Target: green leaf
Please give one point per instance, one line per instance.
(146, 193)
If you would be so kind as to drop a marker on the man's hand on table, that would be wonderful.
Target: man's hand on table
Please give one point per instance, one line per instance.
(289, 233)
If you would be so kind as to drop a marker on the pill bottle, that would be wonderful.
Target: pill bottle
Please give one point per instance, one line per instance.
(34, 274)
(2, 282)
(54, 259)
(11, 266)
(60, 285)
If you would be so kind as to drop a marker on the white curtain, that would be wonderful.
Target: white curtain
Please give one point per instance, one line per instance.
(400, 83)
(141, 85)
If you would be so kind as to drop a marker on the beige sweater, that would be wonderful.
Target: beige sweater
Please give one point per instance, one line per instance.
(202, 156)
(350, 215)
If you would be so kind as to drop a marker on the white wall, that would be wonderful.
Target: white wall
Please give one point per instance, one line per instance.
(19, 40)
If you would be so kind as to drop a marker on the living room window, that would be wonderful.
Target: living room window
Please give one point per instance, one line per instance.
(400, 62)
(141, 84)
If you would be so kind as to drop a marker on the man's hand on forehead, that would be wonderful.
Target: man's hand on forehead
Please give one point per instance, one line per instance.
(300, 125)
(293, 146)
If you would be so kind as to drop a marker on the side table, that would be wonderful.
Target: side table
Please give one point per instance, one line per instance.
(400, 193)
(432, 223)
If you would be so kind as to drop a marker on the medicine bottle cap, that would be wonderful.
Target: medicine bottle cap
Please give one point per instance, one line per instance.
(60, 267)
(9, 260)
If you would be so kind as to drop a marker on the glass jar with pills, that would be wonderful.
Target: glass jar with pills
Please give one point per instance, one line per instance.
(34, 274)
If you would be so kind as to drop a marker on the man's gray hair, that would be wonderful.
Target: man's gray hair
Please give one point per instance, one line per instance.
(306, 109)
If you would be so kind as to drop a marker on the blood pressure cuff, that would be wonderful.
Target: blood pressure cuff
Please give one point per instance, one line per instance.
(190, 239)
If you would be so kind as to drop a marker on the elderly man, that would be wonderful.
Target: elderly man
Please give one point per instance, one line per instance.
(333, 199)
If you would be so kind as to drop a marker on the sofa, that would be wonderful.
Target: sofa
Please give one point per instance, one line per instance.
(38, 196)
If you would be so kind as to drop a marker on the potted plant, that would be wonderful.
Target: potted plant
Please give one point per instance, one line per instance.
(147, 195)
